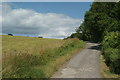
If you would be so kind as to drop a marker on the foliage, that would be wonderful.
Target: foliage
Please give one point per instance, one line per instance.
(99, 20)
(102, 24)
(111, 51)
(40, 37)
(111, 40)
(112, 59)
(105, 70)
(76, 35)
(10, 34)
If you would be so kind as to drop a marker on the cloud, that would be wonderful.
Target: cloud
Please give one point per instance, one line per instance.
(30, 22)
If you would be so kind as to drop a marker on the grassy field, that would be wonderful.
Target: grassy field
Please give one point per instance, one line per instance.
(32, 57)
(105, 71)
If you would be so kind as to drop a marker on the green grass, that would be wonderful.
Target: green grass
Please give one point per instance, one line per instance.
(105, 71)
(32, 57)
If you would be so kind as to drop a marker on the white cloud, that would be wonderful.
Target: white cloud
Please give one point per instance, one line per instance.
(25, 21)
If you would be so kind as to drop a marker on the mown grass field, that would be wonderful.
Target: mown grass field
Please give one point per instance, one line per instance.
(32, 57)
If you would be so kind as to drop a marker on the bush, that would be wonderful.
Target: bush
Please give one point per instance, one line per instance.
(110, 48)
(107, 53)
(115, 61)
(10, 34)
(112, 59)
(111, 40)
(40, 37)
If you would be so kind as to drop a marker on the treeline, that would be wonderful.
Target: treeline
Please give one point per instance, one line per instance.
(102, 24)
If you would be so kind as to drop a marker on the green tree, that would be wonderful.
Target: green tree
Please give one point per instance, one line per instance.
(10, 34)
(102, 24)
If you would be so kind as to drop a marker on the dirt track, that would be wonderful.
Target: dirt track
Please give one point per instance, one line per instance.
(85, 64)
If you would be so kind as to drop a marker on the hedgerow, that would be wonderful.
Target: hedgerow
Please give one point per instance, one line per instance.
(110, 48)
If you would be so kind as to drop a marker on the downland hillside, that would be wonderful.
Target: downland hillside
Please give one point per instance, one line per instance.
(32, 57)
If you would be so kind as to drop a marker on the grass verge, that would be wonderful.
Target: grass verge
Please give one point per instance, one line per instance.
(55, 65)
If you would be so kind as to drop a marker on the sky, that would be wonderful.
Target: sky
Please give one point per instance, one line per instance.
(47, 19)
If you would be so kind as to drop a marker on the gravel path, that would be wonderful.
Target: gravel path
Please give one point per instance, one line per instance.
(85, 64)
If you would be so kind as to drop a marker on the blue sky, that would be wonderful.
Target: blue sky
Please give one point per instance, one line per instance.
(73, 9)
(47, 19)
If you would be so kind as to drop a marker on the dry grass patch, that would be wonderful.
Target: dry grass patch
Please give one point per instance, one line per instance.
(30, 57)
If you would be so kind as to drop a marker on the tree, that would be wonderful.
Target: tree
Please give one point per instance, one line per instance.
(102, 24)
(40, 37)
(99, 20)
(10, 34)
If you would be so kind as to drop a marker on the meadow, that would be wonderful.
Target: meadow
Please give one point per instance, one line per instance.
(33, 57)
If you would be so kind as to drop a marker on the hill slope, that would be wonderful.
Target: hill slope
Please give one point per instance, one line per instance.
(30, 57)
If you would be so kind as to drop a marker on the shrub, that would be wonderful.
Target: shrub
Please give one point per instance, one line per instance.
(111, 40)
(110, 48)
(10, 34)
(107, 53)
(40, 37)
(115, 61)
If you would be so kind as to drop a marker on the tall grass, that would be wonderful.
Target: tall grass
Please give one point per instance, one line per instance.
(27, 57)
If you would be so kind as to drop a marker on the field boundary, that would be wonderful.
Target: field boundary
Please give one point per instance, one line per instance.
(66, 58)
